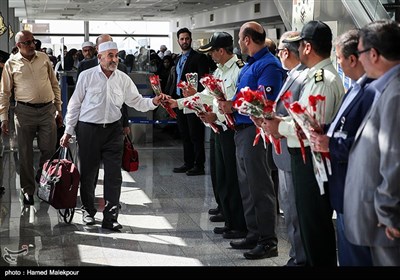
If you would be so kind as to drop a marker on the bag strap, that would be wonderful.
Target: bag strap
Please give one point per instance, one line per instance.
(128, 139)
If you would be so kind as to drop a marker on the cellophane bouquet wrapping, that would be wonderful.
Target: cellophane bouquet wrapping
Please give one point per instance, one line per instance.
(156, 86)
(216, 88)
(311, 118)
(191, 81)
(194, 103)
(255, 103)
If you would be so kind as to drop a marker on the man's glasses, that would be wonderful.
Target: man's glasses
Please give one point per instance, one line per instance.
(363, 51)
(29, 42)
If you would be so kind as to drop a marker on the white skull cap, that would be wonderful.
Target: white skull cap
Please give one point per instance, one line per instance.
(107, 46)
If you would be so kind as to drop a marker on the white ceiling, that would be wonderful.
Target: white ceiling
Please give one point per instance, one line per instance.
(154, 10)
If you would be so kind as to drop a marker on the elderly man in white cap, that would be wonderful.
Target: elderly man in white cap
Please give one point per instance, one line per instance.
(88, 50)
(161, 52)
(93, 114)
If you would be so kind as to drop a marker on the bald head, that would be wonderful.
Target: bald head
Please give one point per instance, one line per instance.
(253, 25)
(21, 35)
(255, 31)
(271, 45)
(103, 38)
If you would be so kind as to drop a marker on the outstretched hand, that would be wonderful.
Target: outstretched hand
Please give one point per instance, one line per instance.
(170, 102)
(159, 98)
(189, 91)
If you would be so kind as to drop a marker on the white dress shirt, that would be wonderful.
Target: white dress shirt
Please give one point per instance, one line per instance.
(98, 99)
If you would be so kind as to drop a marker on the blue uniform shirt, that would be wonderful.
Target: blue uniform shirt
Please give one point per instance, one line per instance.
(261, 69)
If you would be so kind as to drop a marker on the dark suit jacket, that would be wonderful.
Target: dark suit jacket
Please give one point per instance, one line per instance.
(294, 83)
(195, 63)
(372, 193)
(87, 64)
(339, 148)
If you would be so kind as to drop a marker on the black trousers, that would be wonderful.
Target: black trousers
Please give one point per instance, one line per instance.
(213, 169)
(227, 180)
(191, 129)
(100, 144)
(314, 212)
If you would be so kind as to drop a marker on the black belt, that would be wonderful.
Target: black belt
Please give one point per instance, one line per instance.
(34, 105)
(103, 125)
(242, 126)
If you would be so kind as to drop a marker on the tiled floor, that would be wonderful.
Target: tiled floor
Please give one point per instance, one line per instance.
(164, 217)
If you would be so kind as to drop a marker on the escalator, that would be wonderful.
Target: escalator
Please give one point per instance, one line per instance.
(339, 15)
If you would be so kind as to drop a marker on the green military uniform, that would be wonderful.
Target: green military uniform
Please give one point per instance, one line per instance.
(314, 210)
(227, 187)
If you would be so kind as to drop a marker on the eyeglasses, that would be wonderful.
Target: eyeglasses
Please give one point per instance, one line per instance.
(363, 51)
(278, 50)
(29, 42)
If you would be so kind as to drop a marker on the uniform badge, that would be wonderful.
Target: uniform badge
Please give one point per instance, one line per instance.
(319, 75)
(240, 63)
(269, 89)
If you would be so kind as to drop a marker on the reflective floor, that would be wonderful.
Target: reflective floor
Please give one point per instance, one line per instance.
(164, 216)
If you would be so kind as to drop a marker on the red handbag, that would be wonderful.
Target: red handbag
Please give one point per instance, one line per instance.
(130, 157)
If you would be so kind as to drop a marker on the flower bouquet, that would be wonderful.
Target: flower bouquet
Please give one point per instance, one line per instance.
(216, 88)
(192, 79)
(194, 103)
(255, 103)
(309, 119)
(156, 86)
(190, 83)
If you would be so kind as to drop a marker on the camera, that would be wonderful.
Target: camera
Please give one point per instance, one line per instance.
(127, 2)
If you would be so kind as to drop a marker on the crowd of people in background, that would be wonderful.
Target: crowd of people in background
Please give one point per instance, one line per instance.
(359, 132)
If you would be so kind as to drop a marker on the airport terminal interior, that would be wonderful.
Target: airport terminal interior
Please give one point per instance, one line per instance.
(164, 215)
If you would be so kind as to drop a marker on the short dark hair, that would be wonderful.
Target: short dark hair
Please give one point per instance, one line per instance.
(348, 42)
(183, 30)
(229, 49)
(384, 36)
(322, 48)
(257, 37)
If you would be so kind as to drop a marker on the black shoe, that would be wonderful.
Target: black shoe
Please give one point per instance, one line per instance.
(243, 244)
(28, 199)
(110, 217)
(87, 218)
(234, 234)
(214, 211)
(195, 171)
(220, 230)
(37, 177)
(181, 169)
(217, 218)
(111, 225)
(262, 251)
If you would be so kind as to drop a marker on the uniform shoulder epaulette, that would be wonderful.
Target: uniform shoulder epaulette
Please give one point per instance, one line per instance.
(319, 75)
(240, 63)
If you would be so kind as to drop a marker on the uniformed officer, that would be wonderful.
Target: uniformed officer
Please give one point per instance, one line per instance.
(314, 210)
(226, 186)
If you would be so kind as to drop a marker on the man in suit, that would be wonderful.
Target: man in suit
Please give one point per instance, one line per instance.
(220, 48)
(372, 197)
(339, 138)
(191, 128)
(288, 53)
